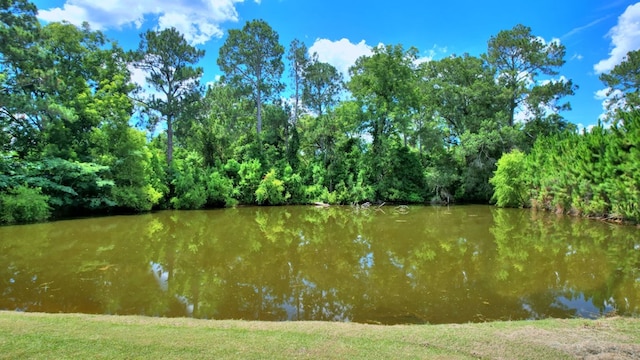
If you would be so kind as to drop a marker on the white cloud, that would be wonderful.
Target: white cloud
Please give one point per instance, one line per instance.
(138, 76)
(68, 12)
(342, 53)
(196, 29)
(625, 37)
(198, 20)
(601, 94)
(522, 115)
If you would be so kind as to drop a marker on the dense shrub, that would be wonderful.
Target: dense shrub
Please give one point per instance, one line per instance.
(220, 190)
(509, 181)
(188, 182)
(23, 204)
(596, 173)
(250, 174)
(271, 190)
(294, 186)
(402, 178)
(136, 198)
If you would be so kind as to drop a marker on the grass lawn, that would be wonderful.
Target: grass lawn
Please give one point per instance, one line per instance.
(75, 336)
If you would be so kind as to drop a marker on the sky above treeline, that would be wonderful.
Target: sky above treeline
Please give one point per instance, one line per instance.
(597, 34)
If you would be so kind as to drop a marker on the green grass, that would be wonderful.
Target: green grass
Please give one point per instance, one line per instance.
(72, 336)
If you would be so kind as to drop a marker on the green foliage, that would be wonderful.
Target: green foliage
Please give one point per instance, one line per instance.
(385, 85)
(271, 190)
(168, 59)
(9, 167)
(71, 186)
(440, 182)
(519, 57)
(251, 59)
(354, 190)
(136, 198)
(623, 83)
(509, 180)
(16, 109)
(137, 185)
(293, 148)
(477, 156)
(314, 177)
(462, 90)
(189, 183)
(220, 190)
(248, 147)
(321, 86)
(298, 59)
(55, 93)
(294, 186)
(602, 180)
(623, 165)
(402, 178)
(232, 170)
(548, 126)
(275, 136)
(23, 204)
(250, 173)
(219, 127)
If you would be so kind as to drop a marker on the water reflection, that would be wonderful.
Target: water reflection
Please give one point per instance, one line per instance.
(428, 265)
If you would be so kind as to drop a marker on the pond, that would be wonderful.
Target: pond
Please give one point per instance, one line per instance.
(379, 265)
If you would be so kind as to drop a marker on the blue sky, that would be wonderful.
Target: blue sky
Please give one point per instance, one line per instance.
(596, 33)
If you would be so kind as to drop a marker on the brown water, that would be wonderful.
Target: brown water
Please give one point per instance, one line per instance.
(428, 265)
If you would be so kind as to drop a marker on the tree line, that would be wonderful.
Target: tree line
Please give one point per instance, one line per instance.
(80, 137)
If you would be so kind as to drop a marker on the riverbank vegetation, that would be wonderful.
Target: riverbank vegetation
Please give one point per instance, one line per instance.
(44, 336)
(79, 137)
(596, 174)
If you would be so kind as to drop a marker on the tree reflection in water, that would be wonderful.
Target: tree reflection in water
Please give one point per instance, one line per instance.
(425, 265)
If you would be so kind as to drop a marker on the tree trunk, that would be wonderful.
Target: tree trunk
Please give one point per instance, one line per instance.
(297, 104)
(169, 139)
(512, 113)
(259, 99)
(259, 105)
